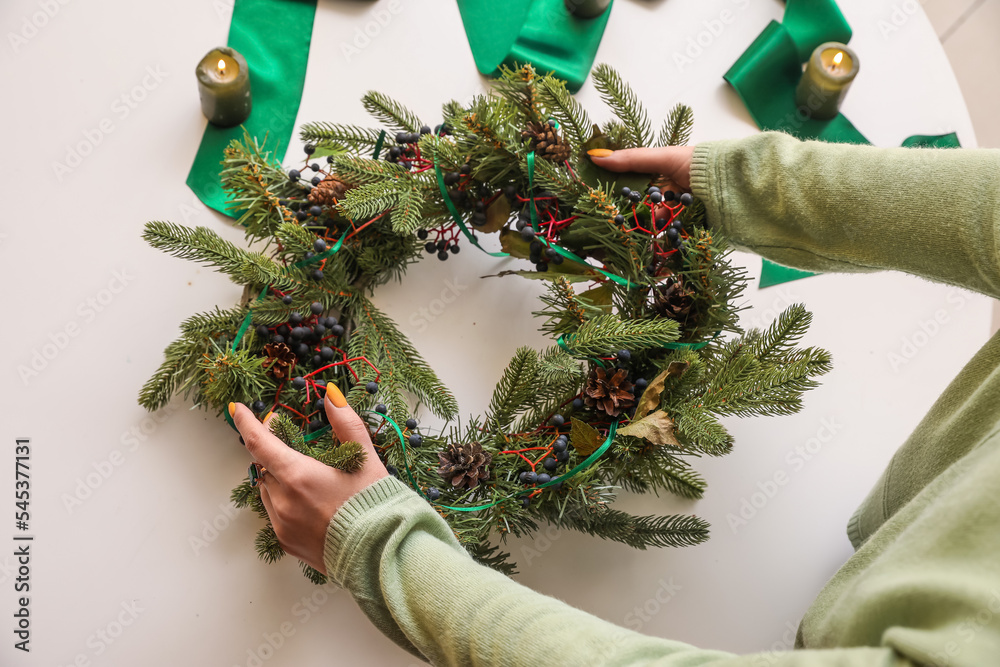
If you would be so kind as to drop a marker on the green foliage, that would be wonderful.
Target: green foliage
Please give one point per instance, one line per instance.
(676, 130)
(377, 207)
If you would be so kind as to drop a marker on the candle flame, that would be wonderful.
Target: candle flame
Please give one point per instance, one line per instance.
(222, 65)
(837, 58)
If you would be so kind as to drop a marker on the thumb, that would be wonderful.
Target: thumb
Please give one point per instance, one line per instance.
(344, 421)
(673, 162)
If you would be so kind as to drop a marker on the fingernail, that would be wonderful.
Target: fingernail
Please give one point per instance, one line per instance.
(335, 395)
(266, 417)
(599, 152)
(232, 409)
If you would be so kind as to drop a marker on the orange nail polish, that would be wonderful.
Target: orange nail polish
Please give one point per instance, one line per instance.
(599, 152)
(335, 395)
(267, 416)
(232, 409)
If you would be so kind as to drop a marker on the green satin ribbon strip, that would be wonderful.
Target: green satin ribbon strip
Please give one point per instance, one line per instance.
(274, 37)
(767, 74)
(540, 32)
(456, 216)
(562, 251)
(583, 465)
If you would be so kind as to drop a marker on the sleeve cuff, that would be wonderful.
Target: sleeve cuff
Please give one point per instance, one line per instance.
(358, 516)
(705, 183)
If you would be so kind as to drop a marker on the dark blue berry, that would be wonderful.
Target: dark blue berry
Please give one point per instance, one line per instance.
(544, 478)
(309, 149)
(337, 330)
(635, 196)
(316, 307)
(641, 384)
(466, 169)
(258, 406)
(525, 502)
(672, 233)
(329, 322)
(669, 195)
(316, 211)
(619, 219)
(263, 331)
(297, 333)
(454, 248)
(326, 353)
(317, 274)
(687, 199)
(425, 129)
(277, 338)
(411, 423)
(655, 198)
(651, 189)
(626, 192)
(559, 445)
(293, 174)
(372, 387)
(299, 382)
(562, 456)
(314, 166)
(430, 247)
(319, 245)
(528, 234)
(433, 494)
(443, 255)
(301, 215)
(401, 137)
(416, 440)
(316, 180)
(295, 318)
(528, 477)
(624, 355)
(550, 463)
(392, 471)
(421, 234)
(557, 420)
(302, 350)
(577, 403)
(381, 409)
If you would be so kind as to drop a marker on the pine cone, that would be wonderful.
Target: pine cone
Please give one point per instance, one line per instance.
(328, 191)
(465, 464)
(673, 300)
(281, 359)
(609, 394)
(546, 142)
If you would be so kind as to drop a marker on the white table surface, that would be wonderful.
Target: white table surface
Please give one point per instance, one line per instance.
(63, 241)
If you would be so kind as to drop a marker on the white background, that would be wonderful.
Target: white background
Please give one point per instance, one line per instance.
(64, 237)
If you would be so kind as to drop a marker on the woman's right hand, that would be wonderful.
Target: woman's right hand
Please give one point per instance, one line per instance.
(672, 162)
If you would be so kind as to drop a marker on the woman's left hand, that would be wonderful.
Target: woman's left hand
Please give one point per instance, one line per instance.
(301, 494)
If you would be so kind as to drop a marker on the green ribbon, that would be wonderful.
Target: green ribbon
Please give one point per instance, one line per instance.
(456, 216)
(540, 32)
(274, 37)
(559, 249)
(767, 74)
(586, 463)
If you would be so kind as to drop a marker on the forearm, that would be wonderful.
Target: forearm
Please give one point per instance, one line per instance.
(408, 573)
(845, 208)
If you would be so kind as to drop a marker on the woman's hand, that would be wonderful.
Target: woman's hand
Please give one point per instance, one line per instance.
(301, 494)
(671, 162)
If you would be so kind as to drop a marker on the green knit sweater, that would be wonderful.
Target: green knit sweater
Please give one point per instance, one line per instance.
(923, 587)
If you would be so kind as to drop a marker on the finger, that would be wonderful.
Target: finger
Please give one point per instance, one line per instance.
(663, 160)
(344, 421)
(263, 445)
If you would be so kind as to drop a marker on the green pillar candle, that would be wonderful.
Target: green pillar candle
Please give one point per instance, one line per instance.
(829, 72)
(224, 87)
(587, 9)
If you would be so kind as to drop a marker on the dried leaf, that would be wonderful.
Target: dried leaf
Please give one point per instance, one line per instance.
(656, 429)
(496, 216)
(650, 399)
(584, 437)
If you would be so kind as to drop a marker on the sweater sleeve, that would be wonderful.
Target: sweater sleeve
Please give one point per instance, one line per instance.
(845, 208)
(408, 573)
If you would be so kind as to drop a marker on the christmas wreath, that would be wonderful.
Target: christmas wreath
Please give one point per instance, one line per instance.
(647, 350)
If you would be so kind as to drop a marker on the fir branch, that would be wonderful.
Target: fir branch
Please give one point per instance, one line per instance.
(288, 432)
(313, 575)
(676, 130)
(358, 170)
(557, 365)
(339, 136)
(606, 334)
(268, 548)
(623, 102)
(515, 387)
(390, 112)
(349, 457)
(641, 532)
(180, 362)
(572, 117)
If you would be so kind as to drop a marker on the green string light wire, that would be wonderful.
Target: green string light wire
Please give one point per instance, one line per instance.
(586, 463)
